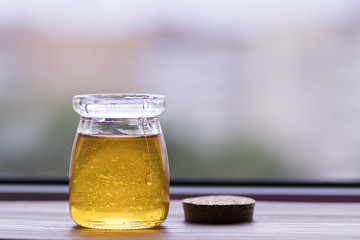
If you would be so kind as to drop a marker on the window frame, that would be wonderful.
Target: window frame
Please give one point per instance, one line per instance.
(57, 189)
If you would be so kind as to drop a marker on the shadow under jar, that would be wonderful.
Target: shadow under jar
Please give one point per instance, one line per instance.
(119, 174)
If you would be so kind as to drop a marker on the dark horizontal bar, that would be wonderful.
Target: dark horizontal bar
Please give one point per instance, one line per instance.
(34, 181)
(286, 198)
(266, 183)
(290, 198)
(19, 192)
(34, 196)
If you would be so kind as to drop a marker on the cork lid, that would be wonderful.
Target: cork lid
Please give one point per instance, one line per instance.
(219, 209)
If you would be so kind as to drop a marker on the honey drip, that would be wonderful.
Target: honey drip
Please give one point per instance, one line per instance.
(142, 126)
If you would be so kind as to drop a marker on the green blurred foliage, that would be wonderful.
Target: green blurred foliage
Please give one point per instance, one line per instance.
(237, 159)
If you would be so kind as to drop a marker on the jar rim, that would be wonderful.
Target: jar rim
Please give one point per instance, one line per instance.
(119, 96)
(119, 105)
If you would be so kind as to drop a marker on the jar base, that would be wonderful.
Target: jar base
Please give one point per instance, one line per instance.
(121, 225)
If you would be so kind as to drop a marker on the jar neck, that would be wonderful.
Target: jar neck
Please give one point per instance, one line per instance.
(119, 126)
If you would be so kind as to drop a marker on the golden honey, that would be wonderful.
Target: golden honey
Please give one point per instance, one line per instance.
(119, 182)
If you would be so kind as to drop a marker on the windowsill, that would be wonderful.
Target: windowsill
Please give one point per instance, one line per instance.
(272, 220)
(268, 193)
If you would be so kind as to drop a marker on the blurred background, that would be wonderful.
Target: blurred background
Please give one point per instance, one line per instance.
(256, 89)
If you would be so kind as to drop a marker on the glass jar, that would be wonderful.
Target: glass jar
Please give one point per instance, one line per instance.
(119, 174)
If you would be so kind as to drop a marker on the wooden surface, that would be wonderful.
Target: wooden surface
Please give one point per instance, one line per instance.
(272, 220)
